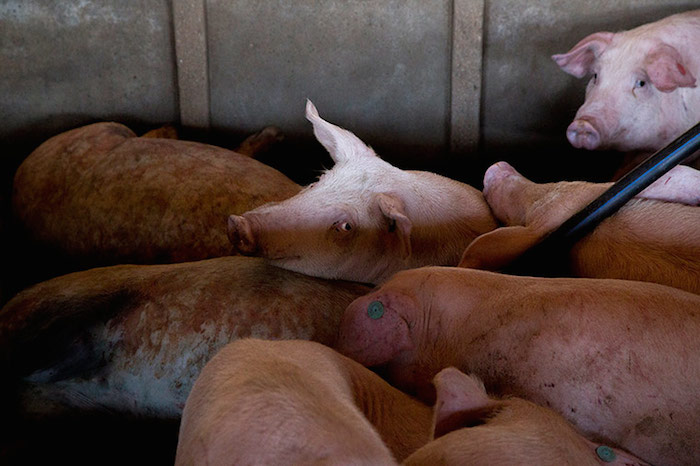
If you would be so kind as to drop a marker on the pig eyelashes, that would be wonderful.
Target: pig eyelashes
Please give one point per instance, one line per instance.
(342, 226)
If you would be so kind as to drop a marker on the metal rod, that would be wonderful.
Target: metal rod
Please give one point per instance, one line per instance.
(556, 244)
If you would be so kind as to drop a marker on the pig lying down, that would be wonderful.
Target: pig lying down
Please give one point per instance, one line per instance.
(643, 90)
(132, 339)
(364, 219)
(99, 195)
(470, 427)
(618, 359)
(645, 240)
(296, 402)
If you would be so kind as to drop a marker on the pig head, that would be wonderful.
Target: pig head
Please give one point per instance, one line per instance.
(471, 427)
(643, 89)
(364, 219)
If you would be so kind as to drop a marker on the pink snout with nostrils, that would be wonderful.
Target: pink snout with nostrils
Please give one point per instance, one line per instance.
(582, 133)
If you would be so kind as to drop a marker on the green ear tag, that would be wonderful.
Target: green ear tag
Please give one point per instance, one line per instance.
(375, 310)
(606, 454)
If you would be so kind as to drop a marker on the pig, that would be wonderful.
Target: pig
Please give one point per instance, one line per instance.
(99, 195)
(647, 239)
(296, 402)
(471, 427)
(618, 359)
(364, 219)
(131, 339)
(643, 91)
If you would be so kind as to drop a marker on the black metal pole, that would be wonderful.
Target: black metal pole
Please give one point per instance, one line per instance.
(556, 244)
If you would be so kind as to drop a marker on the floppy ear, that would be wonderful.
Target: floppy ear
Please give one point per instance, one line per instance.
(498, 248)
(340, 143)
(392, 208)
(666, 70)
(461, 400)
(579, 60)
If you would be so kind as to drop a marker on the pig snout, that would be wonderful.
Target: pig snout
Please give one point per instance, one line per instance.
(240, 234)
(496, 174)
(371, 332)
(583, 134)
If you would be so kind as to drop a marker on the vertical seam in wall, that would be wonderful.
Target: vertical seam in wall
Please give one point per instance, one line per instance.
(189, 23)
(466, 75)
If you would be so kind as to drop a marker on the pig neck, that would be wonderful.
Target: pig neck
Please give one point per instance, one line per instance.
(403, 422)
(444, 212)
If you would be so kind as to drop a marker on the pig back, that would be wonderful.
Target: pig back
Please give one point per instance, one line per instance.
(133, 338)
(98, 195)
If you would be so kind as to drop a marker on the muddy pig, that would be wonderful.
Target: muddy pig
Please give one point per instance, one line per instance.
(618, 359)
(643, 91)
(131, 339)
(470, 427)
(647, 239)
(99, 195)
(364, 219)
(296, 402)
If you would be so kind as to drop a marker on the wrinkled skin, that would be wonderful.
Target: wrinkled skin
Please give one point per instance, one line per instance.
(99, 195)
(131, 339)
(618, 359)
(470, 427)
(364, 219)
(647, 239)
(643, 89)
(296, 402)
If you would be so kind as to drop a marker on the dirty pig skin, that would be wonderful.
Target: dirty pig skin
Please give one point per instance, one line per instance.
(618, 359)
(646, 240)
(474, 428)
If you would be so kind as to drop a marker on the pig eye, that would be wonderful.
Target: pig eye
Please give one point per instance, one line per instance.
(342, 226)
(640, 83)
(595, 77)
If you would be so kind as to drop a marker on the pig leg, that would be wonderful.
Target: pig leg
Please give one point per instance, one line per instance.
(257, 143)
(498, 248)
(681, 184)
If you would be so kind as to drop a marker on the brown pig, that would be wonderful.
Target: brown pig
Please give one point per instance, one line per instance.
(364, 219)
(132, 339)
(470, 427)
(296, 402)
(645, 240)
(618, 359)
(99, 195)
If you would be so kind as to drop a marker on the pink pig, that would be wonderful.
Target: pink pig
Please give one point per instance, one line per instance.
(646, 240)
(618, 359)
(643, 92)
(296, 402)
(471, 427)
(364, 219)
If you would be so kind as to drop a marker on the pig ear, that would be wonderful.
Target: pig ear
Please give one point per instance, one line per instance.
(340, 143)
(579, 60)
(498, 248)
(392, 208)
(666, 70)
(461, 401)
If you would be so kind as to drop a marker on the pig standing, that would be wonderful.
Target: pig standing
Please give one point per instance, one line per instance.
(469, 427)
(98, 195)
(618, 359)
(643, 92)
(645, 240)
(133, 338)
(296, 402)
(364, 219)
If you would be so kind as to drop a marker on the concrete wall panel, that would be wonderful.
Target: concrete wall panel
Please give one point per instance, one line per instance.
(63, 64)
(380, 68)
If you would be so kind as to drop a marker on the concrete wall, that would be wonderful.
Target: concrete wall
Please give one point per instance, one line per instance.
(436, 84)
